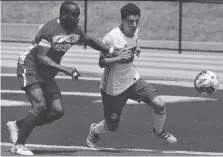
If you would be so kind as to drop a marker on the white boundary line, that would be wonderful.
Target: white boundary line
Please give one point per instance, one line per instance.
(119, 149)
(63, 93)
(166, 98)
(58, 77)
(164, 82)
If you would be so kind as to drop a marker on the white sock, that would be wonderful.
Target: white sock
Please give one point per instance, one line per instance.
(100, 128)
(159, 120)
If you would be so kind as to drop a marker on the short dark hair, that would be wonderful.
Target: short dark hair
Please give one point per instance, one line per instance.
(130, 9)
(65, 5)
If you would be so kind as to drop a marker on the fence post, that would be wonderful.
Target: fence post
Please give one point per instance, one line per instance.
(85, 19)
(180, 25)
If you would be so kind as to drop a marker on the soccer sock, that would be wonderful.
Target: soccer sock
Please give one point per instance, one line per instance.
(26, 129)
(19, 123)
(159, 120)
(100, 128)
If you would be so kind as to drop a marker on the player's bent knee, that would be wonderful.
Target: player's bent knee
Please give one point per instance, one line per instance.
(58, 114)
(158, 105)
(39, 109)
(58, 111)
(52, 116)
(112, 122)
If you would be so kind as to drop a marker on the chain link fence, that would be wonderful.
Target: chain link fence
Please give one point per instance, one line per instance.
(179, 25)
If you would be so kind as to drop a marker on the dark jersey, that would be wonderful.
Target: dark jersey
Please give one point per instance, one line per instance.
(52, 35)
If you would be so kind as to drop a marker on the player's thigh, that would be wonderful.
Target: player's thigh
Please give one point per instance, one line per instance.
(113, 105)
(35, 93)
(55, 104)
(143, 91)
(54, 97)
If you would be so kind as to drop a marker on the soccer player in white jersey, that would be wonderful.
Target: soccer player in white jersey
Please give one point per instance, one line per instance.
(121, 81)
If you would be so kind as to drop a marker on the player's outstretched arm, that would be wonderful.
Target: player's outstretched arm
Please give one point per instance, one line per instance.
(41, 56)
(97, 44)
(125, 57)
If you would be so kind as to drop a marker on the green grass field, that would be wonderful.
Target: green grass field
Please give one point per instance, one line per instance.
(159, 20)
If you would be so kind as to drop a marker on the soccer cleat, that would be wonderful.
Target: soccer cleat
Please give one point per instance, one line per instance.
(13, 131)
(92, 139)
(21, 150)
(165, 136)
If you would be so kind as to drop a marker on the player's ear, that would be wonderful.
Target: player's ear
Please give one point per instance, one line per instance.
(122, 21)
(63, 16)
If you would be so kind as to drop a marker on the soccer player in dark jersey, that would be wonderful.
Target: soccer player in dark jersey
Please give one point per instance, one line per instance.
(38, 66)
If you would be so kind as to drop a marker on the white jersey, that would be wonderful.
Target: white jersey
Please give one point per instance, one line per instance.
(120, 76)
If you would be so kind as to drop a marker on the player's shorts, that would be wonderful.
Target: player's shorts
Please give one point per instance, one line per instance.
(139, 91)
(51, 91)
(28, 77)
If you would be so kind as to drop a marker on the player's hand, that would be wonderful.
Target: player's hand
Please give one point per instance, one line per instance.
(137, 51)
(117, 52)
(73, 73)
(126, 57)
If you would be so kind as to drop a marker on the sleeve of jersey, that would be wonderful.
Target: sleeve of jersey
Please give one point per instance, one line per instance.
(44, 43)
(107, 40)
(44, 37)
(112, 41)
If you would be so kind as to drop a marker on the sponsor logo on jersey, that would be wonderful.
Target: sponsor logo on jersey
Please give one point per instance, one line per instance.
(61, 47)
(64, 42)
(73, 38)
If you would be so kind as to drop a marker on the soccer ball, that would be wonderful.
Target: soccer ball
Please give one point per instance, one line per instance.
(206, 83)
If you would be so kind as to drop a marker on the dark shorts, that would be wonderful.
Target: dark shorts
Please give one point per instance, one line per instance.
(28, 77)
(51, 92)
(140, 91)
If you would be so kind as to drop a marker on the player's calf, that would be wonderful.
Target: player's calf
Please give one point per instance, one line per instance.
(159, 120)
(55, 110)
(34, 118)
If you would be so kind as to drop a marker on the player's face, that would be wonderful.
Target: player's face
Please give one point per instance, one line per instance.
(130, 24)
(71, 17)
